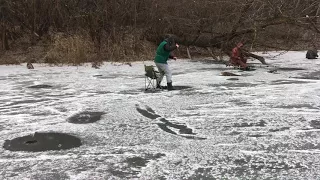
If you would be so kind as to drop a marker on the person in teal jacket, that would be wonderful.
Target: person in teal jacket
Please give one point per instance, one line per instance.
(164, 52)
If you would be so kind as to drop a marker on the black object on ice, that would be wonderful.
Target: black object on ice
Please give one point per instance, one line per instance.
(85, 117)
(312, 54)
(30, 66)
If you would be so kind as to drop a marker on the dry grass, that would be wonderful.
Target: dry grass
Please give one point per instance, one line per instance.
(9, 60)
(127, 47)
(74, 50)
(64, 49)
(122, 46)
(78, 49)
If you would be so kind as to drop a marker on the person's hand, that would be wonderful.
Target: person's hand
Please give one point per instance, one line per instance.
(177, 45)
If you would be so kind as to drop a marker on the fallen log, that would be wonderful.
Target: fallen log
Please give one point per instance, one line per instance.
(260, 58)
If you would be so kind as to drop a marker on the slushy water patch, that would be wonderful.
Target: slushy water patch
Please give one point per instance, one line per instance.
(169, 126)
(85, 117)
(40, 86)
(42, 142)
(290, 69)
(315, 124)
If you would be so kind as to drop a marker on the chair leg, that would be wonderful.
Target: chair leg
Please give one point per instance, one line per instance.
(149, 82)
(153, 87)
(146, 83)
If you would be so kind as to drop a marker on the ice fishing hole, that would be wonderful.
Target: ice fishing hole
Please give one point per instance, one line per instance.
(31, 142)
(37, 142)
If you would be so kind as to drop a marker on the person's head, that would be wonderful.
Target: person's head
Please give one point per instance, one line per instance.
(170, 40)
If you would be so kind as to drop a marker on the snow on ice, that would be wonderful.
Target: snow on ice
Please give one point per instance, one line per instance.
(263, 125)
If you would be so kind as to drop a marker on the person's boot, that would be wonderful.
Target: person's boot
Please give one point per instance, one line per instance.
(158, 85)
(170, 87)
(161, 87)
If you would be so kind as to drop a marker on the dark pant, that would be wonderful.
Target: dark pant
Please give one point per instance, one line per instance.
(239, 62)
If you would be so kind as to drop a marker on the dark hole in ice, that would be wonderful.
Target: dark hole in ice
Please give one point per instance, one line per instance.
(85, 117)
(42, 142)
(31, 142)
(40, 86)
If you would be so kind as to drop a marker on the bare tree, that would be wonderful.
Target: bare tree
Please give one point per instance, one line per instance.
(208, 24)
(255, 22)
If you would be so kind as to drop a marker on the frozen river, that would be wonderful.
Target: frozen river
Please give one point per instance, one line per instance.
(261, 126)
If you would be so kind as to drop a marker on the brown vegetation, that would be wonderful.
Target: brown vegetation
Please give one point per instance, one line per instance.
(78, 31)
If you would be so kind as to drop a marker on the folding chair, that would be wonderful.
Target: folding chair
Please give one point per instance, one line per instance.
(150, 77)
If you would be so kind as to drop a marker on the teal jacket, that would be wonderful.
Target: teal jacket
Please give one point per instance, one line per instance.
(164, 51)
(162, 55)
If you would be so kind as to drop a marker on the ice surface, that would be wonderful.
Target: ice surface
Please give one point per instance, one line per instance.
(264, 125)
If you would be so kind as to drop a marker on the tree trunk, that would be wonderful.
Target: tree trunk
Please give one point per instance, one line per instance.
(4, 38)
(188, 52)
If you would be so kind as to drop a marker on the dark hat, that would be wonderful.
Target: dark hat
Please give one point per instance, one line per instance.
(170, 40)
(171, 37)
